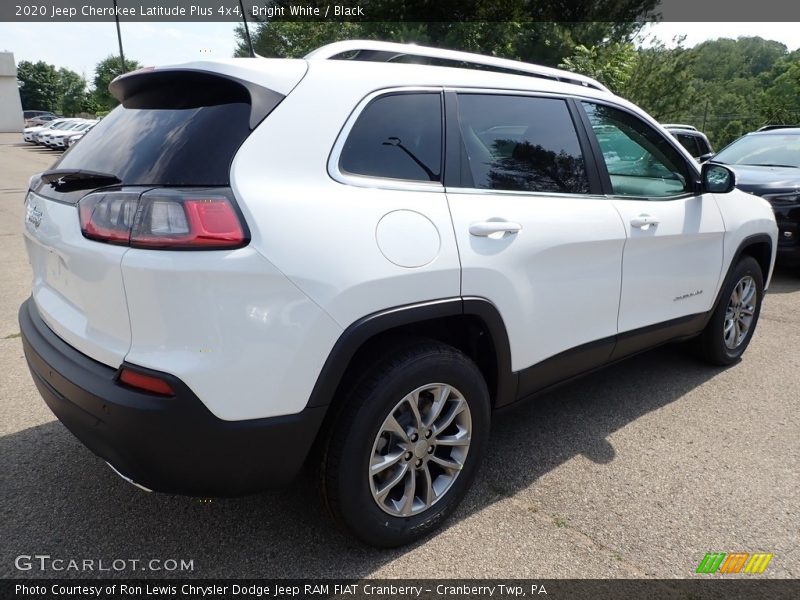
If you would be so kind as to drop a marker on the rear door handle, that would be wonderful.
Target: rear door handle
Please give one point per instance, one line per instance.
(644, 222)
(487, 228)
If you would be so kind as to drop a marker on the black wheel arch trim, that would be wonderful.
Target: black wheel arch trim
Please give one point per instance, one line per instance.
(366, 328)
(750, 240)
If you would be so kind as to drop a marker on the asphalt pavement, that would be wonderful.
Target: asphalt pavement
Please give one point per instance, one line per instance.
(635, 471)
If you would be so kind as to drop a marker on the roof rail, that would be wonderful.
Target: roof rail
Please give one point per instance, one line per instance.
(771, 127)
(389, 51)
(679, 126)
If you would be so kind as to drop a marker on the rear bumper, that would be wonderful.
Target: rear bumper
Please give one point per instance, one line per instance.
(173, 444)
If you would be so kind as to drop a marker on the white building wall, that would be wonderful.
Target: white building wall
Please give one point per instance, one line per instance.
(10, 105)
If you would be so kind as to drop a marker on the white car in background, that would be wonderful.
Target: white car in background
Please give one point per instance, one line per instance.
(47, 138)
(39, 136)
(29, 133)
(72, 139)
(57, 139)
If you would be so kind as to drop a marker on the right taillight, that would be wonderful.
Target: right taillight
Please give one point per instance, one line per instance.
(169, 219)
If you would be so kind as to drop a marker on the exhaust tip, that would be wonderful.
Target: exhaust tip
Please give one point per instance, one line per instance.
(128, 479)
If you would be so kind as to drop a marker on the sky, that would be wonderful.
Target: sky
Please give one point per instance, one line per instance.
(80, 46)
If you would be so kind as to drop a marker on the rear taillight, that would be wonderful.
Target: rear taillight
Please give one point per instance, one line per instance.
(170, 219)
(108, 217)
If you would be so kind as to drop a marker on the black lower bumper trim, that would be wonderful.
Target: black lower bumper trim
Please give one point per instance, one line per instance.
(173, 444)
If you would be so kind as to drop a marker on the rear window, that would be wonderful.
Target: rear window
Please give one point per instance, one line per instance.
(690, 143)
(191, 146)
(173, 128)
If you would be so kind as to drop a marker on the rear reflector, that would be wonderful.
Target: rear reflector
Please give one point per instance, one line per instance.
(168, 219)
(146, 383)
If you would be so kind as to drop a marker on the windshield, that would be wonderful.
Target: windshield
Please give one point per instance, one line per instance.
(763, 150)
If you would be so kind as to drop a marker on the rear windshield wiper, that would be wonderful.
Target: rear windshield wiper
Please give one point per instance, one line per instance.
(68, 180)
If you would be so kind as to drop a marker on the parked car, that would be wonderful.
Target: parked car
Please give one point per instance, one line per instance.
(29, 133)
(73, 139)
(42, 136)
(767, 163)
(64, 141)
(41, 120)
(373, 258)
(692, 139)
(29, 115)
(55, 139)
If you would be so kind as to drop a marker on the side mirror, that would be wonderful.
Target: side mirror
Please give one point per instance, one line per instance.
(717, 179)
(704, 157)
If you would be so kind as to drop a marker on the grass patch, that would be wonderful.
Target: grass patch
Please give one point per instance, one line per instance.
(11, 336)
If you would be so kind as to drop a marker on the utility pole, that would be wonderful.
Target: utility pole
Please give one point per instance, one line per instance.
(119, 39)
(247, 31)
(705, 115)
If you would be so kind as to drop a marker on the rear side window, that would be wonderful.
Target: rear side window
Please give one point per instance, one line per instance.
(690, 142)
(521, 143)
(397, 136)
(173, 128)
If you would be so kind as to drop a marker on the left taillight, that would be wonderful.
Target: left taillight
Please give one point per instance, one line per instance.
(167, 219)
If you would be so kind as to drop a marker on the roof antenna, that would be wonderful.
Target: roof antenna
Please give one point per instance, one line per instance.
(247, 31)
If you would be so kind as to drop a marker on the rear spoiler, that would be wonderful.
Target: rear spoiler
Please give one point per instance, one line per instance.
(191, 88)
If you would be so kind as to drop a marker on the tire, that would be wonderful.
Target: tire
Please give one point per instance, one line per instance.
(365, 503)
(719, 344)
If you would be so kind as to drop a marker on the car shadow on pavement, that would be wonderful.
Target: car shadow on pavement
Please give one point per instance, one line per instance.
(785, 280)
(56, 498)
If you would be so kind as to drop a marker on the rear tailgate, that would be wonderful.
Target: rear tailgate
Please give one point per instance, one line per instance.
(176, 127)
(77, 283)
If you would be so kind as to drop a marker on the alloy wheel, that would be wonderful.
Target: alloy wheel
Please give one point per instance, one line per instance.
(739, 313)
(420, 450)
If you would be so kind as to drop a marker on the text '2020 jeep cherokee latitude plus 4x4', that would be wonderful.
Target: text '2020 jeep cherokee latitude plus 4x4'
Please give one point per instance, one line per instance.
(250, 257)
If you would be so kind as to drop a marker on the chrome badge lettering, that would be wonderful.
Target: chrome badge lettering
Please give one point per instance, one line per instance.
(689, 295)
(33, 215)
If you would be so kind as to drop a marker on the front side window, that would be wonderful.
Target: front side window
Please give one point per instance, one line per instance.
(640, 161)
(397, 136)
(521, 143)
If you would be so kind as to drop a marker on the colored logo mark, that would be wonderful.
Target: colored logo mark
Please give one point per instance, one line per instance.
(736, 562)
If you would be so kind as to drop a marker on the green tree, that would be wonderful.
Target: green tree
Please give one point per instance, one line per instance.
(39, 86)
(780, 102)
(612, 64)
(541, 31)
(725, 59)
(72, 90)
(661, 80)
(105, 72)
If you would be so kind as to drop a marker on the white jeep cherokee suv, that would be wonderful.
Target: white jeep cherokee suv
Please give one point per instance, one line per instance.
(253, 257)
